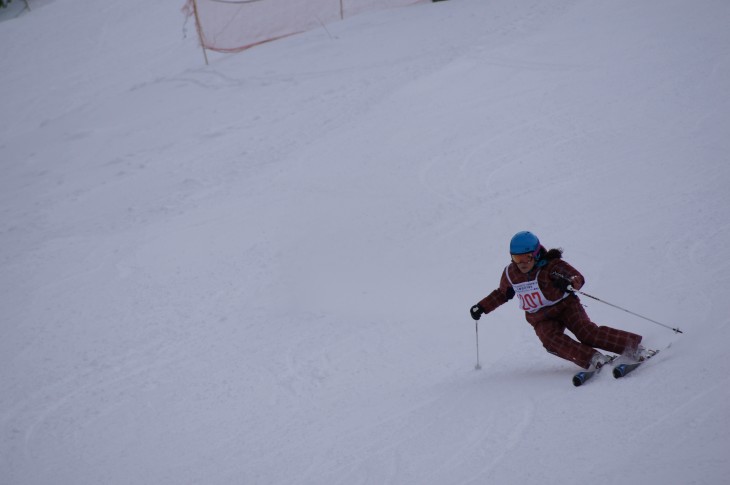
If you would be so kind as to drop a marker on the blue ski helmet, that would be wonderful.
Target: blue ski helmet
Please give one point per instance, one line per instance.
(524, 242)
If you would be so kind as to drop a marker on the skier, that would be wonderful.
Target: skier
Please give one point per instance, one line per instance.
(541, 279)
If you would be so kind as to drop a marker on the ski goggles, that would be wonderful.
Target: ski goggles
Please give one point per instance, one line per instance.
(523, 258)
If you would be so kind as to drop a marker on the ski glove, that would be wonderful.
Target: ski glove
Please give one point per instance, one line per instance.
(476, 312)
(561, 282)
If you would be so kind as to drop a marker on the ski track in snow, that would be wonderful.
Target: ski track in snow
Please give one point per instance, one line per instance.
(83, 397)
(698, 402)
(386, 441)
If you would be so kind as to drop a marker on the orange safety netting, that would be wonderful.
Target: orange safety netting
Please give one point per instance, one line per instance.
(235, 25)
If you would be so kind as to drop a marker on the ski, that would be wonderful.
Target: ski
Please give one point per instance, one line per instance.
(581, 377)
(622, 369)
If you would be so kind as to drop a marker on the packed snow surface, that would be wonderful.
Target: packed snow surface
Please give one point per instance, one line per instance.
(259, 271)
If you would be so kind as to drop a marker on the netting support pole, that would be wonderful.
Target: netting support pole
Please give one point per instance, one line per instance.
(199, 29)
(342, 11)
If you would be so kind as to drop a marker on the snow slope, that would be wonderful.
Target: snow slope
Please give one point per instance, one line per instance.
(259, 272)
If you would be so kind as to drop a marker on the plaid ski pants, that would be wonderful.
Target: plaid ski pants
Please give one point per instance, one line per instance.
(550, 325)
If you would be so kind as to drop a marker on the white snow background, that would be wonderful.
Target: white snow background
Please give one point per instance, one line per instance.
(259, 271)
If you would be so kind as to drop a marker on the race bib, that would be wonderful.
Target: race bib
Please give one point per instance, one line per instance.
(530, 296)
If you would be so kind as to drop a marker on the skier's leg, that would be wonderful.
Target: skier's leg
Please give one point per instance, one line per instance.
(600, 337)
(553, 338)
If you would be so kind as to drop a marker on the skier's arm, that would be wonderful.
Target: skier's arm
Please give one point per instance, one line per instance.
(563, 274)
(496, 298)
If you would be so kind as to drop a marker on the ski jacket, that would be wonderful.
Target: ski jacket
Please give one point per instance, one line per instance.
(544, 277)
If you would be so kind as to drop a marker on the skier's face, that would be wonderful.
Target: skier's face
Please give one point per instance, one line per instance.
(524, 262)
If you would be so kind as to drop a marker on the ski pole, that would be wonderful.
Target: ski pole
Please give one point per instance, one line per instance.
(476, 327)
(675, 329)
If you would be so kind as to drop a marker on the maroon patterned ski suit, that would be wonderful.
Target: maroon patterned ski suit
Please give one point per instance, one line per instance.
(551, 321)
